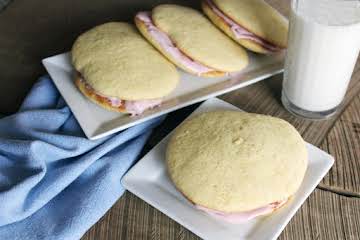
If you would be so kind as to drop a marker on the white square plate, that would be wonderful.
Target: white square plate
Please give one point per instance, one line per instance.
(97, 122)
(149, 181)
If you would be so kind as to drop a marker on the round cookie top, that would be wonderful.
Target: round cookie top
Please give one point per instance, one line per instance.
(233, 161)
(258, 17)
(116, 61)
(198, 38)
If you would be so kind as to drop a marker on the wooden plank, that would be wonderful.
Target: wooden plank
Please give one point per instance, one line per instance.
(324, 215)
(132, 218)
(343, 142)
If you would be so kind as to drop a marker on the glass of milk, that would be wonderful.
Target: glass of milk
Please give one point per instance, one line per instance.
(324, 43)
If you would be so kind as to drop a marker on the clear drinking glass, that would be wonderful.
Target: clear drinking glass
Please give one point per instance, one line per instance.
(324, 43)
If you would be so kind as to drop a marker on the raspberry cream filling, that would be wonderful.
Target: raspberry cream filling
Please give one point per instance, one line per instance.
(240, 217)
(133, 107)
(240, 32)
(168, 46)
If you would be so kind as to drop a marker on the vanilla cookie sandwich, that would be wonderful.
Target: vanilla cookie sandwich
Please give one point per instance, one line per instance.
(252, 23)
(189, 40)
(236, 166)
(119, 70)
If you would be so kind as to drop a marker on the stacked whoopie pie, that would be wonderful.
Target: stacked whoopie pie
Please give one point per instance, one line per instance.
(121, 71)
(189, 40)
(236, 166)
(252, 23)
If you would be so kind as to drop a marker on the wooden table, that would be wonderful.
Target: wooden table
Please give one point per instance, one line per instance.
(331, 212)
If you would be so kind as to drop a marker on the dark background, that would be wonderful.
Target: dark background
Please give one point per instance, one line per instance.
(31, 30)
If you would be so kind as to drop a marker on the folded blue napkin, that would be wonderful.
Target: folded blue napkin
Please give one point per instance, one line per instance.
(54, 182)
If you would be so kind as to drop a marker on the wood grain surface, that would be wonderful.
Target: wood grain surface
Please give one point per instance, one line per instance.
(325, 215)
(343, 142)
(318, 218)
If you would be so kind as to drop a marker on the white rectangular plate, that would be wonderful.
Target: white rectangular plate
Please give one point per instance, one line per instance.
(97, 122)
(149, 181)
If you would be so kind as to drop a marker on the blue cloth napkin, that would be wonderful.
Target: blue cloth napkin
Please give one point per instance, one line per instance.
(54, 182)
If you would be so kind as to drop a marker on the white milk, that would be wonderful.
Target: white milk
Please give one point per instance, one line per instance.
(324, 42)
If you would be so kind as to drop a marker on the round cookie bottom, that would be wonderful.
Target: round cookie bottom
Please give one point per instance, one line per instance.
(80, 84)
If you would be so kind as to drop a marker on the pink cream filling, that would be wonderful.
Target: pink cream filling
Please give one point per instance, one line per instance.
(133, 107)
(167, 45)
(240, 217)
(139, 106)
(240, 32)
